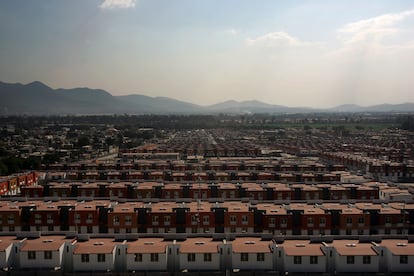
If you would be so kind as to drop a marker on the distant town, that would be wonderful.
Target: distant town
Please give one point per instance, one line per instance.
(290, 193)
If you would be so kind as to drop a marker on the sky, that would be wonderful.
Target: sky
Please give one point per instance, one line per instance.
(318, 53)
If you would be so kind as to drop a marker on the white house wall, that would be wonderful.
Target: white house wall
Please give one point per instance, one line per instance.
(357, 266)
(305, 265)
(93, 264)
(393, 263)
(146, 263)
(39, 261)
(252, 263)
(199, 263)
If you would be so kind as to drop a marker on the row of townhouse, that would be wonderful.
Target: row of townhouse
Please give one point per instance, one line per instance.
(287, 165)
(10, 185)
(375, 168)
(224, 190)
(166, 175)
(105, 216)
(195, 254)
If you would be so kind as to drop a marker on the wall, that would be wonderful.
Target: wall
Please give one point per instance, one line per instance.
(146, 263)
(252, 263)
(199, 263)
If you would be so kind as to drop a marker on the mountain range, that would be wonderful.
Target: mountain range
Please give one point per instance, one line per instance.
(37, 98)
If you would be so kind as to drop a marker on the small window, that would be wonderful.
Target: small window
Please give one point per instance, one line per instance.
(191, 257)
(366, 259)
(313, 260)
(260, 257)
(244, 257)
(207, 257)
(350, 259)
(138, 257)
(403, 259)
(31, 255)
(154, 257)
(101, 258)
(297, 259)
(85, 258)
(48, 255)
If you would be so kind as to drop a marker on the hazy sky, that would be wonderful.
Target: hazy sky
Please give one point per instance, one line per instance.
(317, 53)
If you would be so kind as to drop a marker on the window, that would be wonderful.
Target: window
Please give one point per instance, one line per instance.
(260, 257)
(48, 255)
(366, 259)
(403, 259)
(116, 220)
(348, 220)
(191, 257)
(387, 219)
(313, 259)
(154, 257)
(297, 259)
(350, 259)
(138, 257)
(167, 219)
(85, 258)
(244, 257)
(38, 218)
(155, 220)
(310, 220)
(245, 219)
(77, 218)
(272, 221)
(310, 232)
(207, 257)
(206, 220)
(101, 258)
(31, 255)
(322, 220)
(233, 219)
(361, 220)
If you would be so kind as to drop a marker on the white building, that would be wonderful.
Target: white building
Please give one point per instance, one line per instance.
(94, 255)
(399, 256)
(197, 254)
(301, 256)
(252, 254)
(147, 254)
(45, 252)
(354, 256)
(6, 244)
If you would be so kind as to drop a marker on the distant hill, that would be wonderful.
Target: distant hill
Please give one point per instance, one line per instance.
(404, 107)
(37, 98)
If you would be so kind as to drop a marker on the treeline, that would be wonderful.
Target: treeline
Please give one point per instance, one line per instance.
(10, 164)
(406, 122)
